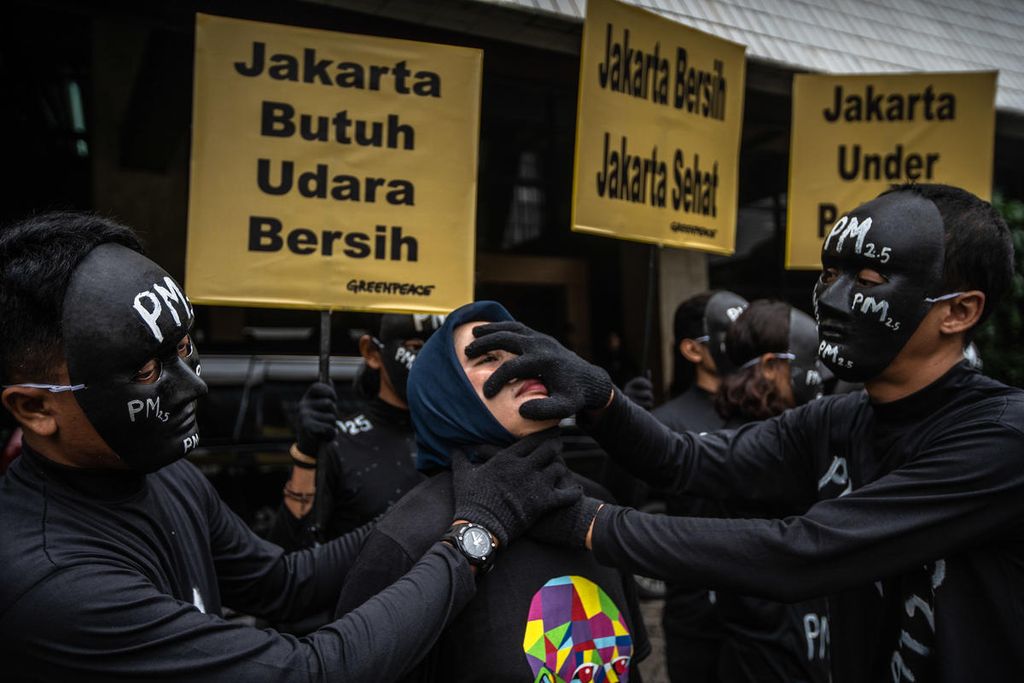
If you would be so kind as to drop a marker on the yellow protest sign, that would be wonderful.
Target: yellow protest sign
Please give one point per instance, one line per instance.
(331, 170)
(855, 136)
(657, 130)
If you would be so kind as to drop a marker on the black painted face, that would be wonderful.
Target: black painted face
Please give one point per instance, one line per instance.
(397, 359)
(720, 313)
(806, 372)
(121, 310)
(865, 318)
(395, 333)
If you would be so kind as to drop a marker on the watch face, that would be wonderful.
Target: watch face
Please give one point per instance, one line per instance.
(476, 542)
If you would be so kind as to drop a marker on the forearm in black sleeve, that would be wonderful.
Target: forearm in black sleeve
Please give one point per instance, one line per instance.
(289, 586)
(962, 490)
(101, 622)
(764, 462)
(256, 577)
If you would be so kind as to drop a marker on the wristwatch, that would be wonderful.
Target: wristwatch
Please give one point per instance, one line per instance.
(475, 542)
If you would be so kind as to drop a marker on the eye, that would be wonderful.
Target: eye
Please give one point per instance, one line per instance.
(620, 665)
(185, 347)
(491, 357)
(584, 673)
(828, 276)
(869, 278)
(148, 373)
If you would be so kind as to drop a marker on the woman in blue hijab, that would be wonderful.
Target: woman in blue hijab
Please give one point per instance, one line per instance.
(445, 393)
(535, 589)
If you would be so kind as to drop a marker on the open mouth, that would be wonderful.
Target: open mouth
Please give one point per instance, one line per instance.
(532, 386)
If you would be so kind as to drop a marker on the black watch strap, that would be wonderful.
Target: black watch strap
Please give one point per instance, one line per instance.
(475, 542)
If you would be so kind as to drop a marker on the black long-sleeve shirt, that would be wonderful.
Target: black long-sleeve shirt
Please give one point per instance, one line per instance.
(914, 522)
(113, 575)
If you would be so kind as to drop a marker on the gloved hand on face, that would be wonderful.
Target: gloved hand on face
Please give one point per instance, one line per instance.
(573, 384)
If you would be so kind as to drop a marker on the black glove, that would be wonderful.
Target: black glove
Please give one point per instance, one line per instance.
(640, 391)
(573, 384)
(567, 526)
(318, 418)
(509, 492)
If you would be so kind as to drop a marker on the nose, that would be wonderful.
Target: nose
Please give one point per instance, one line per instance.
(833, 299)
(188, 370)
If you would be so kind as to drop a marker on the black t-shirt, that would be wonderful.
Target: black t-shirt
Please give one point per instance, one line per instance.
(540, 606)
(115, 575)
(367, 467)
(908, 514)
(691, 411)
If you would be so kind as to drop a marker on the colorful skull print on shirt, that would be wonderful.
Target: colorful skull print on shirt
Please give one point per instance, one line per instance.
(575, 633)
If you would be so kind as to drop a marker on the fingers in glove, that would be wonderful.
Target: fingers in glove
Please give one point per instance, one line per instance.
(639, 385)
(644, 399)
(549, 468)
(503, 326)
(320, 390)
(552, 408)
(323, 408)
(324, 430)
(520, 367)
(564, 497)
(503, 341)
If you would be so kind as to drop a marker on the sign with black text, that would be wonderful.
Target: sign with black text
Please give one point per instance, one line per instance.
(658, 130)
(330, 170)
(855, 136)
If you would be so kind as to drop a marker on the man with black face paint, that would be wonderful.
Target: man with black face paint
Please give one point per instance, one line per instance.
(700, 323)
(368, 458)
(903, 503)
(117, 553)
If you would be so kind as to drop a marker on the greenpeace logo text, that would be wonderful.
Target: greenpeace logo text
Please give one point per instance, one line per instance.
(381, 287)
(694, 230)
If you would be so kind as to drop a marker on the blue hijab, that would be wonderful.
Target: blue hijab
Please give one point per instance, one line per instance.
(446, 412)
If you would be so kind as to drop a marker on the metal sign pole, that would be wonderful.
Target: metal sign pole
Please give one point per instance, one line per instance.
(325, 347)
(652, 283)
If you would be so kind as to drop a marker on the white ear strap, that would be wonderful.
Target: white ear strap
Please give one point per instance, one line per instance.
(944, 297)
(757, 359)
(52, 388)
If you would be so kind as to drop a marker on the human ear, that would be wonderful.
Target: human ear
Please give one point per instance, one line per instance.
(370, 353)
(963, 312)
(691, 350)
(34, 409)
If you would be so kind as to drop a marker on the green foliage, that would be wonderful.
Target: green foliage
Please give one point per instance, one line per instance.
(1001, 339)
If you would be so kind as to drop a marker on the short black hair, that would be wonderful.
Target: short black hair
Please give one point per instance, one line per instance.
(688, 323)
(979, 247)
(37, 258)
